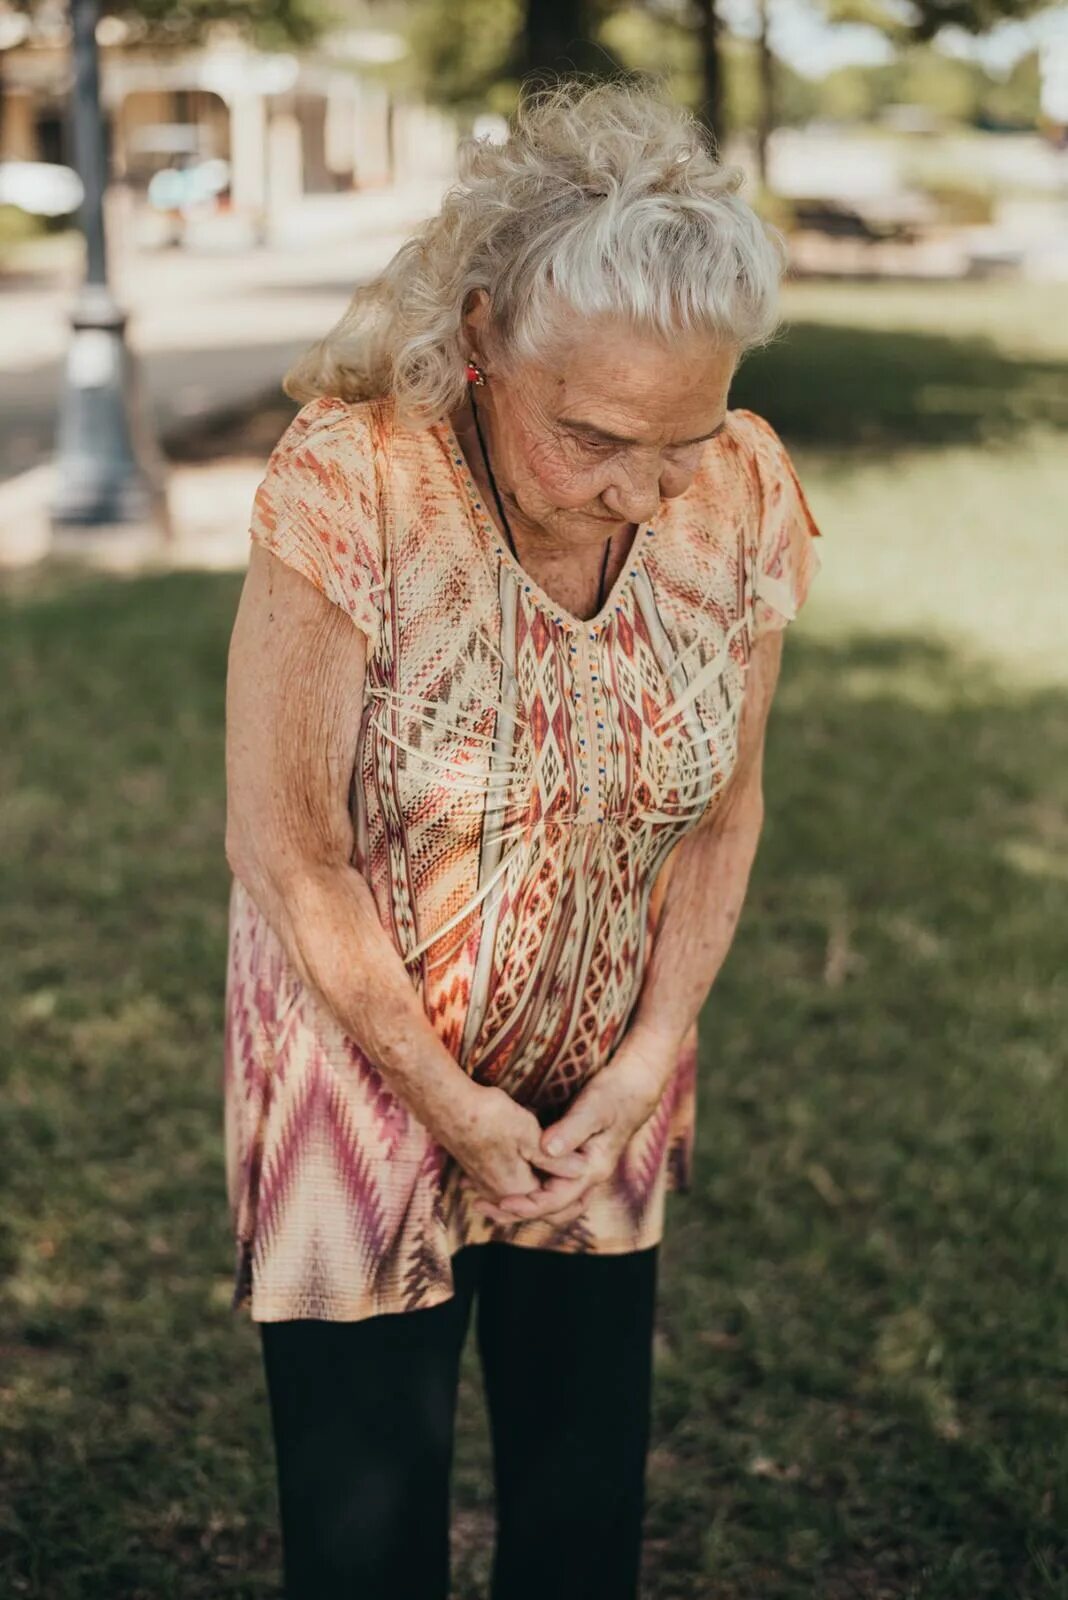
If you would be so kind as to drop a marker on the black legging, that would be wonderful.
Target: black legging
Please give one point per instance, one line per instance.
(363, 1415)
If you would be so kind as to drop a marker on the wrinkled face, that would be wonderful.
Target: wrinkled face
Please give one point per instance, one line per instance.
(592, 441)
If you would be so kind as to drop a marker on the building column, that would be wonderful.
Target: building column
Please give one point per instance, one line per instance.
(18, 135)
(285, 162)
(248, 153)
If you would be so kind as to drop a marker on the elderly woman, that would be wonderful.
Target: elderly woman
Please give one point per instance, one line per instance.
(497, 693)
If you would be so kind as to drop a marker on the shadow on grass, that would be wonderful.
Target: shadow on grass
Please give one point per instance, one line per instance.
(860, 1382)
(824, 384)
(820, 384)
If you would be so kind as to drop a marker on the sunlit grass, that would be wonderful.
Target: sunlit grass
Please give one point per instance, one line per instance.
(964, 545)
(930, 424)
(1019, 320)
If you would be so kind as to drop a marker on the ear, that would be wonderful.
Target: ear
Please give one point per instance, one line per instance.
(475, 321)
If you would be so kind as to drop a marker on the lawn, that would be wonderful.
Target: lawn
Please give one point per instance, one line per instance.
(862, 1355)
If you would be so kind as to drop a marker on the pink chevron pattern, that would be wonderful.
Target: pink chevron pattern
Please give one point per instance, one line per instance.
(522, 779)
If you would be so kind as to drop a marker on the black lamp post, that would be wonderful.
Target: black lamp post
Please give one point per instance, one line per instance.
(108, 472)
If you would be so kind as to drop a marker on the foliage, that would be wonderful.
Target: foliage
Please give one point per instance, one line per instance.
(472, 54)
(657, 43)
(921, 75)
(468, 53)
(974, 16)
(1014, 100)
(269, 23)
(924, 19)
(465, 51)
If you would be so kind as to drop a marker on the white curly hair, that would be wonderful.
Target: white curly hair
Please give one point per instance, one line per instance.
(604, 200)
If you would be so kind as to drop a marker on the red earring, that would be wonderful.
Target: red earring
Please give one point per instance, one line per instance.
(474, 374)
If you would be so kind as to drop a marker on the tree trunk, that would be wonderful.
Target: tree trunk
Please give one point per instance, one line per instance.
(710, 110)
(558, 38)
(767, 109)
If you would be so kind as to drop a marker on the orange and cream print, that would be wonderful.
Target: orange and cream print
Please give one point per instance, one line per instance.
(522, 777)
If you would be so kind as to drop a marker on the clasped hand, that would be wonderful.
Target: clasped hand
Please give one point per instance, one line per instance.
(584, 1147)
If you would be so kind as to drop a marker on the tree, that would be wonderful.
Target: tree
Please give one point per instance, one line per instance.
(466, 52)
(474, 53)
(561, 36)
(266, 22)
(923, 20)
(708, 30)
(768, 114)
(974, 16)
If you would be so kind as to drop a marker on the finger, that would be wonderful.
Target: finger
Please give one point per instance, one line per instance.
(557, 1218)
(561, 1219)
(552, 1187)
(552, 1197)
(569, 1165)
(492, 1209)
(600, 1163)
(587, 1116)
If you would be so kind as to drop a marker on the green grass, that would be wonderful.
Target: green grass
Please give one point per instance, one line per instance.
(862, 1355)
(930, 424)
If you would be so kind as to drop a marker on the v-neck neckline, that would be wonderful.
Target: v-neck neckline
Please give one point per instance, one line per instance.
(529, 585)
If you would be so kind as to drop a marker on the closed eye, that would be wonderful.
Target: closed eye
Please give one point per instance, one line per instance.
(603, 447)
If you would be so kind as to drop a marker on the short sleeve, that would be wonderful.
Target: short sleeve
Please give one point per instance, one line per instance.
(787, 556)
(317, 509)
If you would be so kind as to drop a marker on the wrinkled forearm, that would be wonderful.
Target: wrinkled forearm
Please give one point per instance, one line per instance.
(327, 921)
(702, 906)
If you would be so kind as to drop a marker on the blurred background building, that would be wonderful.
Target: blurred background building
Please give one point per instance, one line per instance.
(219, 125)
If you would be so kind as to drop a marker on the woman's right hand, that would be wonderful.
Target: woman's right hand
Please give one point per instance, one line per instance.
(497, 1142)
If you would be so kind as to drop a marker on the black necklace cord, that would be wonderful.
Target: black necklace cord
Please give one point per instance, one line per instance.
(504, 519)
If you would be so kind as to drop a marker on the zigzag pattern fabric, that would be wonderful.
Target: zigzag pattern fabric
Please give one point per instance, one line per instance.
(522, 779)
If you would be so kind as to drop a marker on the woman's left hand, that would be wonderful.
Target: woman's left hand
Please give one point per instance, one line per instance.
(598, 1125)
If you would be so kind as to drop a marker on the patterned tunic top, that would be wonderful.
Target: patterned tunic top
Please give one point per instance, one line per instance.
(521, 780)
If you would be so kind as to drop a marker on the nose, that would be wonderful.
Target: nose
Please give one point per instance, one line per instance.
(635, 495)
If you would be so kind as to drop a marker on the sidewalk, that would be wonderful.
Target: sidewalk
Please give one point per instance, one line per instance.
(180, 299)
(209, 506)
(213, 332)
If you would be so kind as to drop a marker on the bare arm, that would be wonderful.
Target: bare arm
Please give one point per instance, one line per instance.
(710, 870)
(294, 699)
